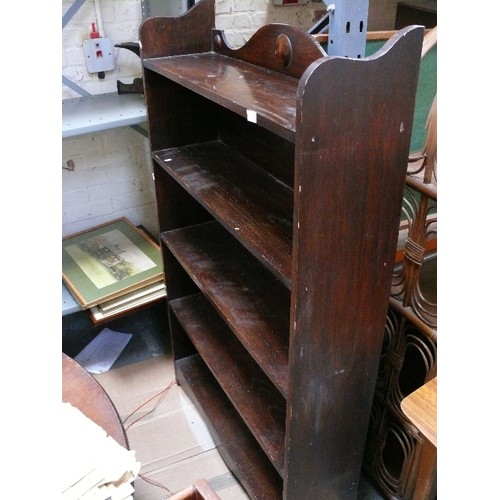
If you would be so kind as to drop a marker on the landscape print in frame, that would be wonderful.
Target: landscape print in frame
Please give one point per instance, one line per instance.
(109, 260)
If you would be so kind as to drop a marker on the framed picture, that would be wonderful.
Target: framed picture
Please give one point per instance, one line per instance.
(108, 261)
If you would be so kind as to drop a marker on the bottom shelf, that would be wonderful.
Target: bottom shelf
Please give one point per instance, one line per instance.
(235, 443)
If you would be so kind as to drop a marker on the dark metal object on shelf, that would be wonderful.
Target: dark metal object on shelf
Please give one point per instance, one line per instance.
(137, 86)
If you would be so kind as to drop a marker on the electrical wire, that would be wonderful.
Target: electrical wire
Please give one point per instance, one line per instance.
(154, 483)
(160, 395)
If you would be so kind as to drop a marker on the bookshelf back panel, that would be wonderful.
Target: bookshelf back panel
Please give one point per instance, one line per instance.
(270, 151)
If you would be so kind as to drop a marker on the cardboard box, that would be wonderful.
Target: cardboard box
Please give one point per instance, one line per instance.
(163, 426)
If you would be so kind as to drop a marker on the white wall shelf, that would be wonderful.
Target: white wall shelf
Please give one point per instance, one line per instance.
(69, 304)
(83, 115)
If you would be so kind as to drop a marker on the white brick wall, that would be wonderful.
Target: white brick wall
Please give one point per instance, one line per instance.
(241, 18)
(121, 20)
(107, 175)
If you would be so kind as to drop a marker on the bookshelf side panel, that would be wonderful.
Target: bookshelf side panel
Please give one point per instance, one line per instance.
(352, 148)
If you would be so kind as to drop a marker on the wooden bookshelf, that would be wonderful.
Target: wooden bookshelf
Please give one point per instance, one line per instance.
(279, 175)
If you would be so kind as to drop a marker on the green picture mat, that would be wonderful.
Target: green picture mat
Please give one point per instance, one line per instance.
(84, 289)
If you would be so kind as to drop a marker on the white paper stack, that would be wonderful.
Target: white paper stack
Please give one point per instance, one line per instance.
(95, 466)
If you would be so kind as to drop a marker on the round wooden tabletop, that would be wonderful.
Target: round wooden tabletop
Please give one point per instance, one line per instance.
(83, 391)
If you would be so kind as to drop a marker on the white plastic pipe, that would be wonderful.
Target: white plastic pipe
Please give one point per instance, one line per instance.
(100, 25)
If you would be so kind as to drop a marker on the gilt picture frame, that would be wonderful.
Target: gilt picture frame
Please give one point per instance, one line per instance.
(109, 260)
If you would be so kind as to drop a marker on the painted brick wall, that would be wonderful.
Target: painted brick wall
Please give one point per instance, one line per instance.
(121, 21)
(107, 175)
(241, 18)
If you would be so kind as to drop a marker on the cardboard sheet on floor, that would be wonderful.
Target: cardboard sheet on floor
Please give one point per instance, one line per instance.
(170, 438)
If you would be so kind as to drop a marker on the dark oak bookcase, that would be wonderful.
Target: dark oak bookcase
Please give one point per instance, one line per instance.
(279, 176)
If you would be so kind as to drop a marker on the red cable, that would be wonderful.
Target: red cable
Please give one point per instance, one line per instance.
(161, 393)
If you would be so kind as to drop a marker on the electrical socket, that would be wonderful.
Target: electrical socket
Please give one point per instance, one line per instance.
(99, 54)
